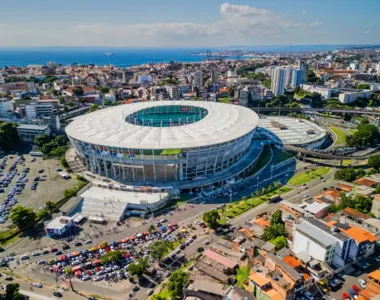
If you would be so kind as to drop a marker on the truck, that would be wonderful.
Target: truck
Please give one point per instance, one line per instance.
(275, 198)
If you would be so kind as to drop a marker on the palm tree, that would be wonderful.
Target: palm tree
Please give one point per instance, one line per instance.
(69, 273)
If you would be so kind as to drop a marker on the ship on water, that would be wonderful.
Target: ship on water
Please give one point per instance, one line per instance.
(108, 53)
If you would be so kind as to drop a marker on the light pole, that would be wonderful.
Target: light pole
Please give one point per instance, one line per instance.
(230, 196)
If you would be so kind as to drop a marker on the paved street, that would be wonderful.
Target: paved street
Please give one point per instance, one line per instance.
(186, 214)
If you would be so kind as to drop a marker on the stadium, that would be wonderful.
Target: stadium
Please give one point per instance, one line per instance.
(178, 143)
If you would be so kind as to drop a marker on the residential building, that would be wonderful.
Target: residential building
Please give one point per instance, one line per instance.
(321, 89)
(279, 81)
(173, 91)
(27, 133)
(184, 88)
(198, 78)
(351, 96)
(373, 286)
(354, 66)
(378, 69)
(219, 261)
(36, 109)
(376, 205)
(204, 289)
(298, 77)
(144, 79)
(214, 76)
(159, 93)
(236, 293)
(321, 242)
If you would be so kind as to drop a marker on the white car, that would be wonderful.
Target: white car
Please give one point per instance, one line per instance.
(98, 278)
(36, 253)
(88, 242)
(37, 284)
(149, 292)
(206, 242)
(85, 277)
(362, 283)
(41, 262)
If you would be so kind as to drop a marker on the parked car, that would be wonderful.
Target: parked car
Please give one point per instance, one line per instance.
(37, 284)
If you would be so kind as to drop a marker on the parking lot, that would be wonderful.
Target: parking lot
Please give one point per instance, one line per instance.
(17, 177)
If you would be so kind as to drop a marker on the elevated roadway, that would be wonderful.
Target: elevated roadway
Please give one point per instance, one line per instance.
(326, 110)
(327, 155)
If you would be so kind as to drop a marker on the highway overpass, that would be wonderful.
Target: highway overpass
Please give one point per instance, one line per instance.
(325, 110)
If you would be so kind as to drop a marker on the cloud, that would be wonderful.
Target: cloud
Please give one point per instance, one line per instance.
(236, 25)
(303, 12)
(367, 32)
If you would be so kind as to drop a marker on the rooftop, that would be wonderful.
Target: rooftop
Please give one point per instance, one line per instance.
(359, 235)
(206, 286)
(220, 259)
(108, 127)
(293, 132)
(31, 126)
(316, 207)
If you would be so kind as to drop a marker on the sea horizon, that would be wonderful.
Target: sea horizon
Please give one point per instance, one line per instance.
(130, 56)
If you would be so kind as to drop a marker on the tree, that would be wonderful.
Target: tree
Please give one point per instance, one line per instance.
(8, 136)
(348, 174)
(363, 86)
(104, 90)
(177, 282)
(94, 107)
(70, 274)
(280, 242)
(42, 214)
(276, 218)
(152, 228)
(22, 216)
(12, 292)
(158, 297)
(41, 140)
(112, 256)
(211, 218)
(374, 162)
(310, 76)
(273, 231)
(366, 134)
(362, 204)
(78, 91)
(159, 248)
(139, 267)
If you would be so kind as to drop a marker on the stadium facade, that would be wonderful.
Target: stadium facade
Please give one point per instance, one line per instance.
(165, 141)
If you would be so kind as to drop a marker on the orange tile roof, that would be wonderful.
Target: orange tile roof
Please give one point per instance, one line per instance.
(291, 261)
(366, 182)
(262, 223)
(258, 279)
(246, 232)
(355, 213)
(331, 223)
(272, 294)
(376, 198)
(375, 274)
(359, 235)
(333, 193)
(306, 276)
(345, 187)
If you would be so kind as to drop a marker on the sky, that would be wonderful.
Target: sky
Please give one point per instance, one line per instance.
(188, 23)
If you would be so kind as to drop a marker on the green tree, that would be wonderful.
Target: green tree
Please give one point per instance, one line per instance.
(94, 107)
(159, 248)
(310, 76)
(280, 242)
(42, 214)
(362, 204)
(374, 162)
(211, 218)
(22, 216)
(366, 134)
(112, 256)
(50, 205)
(276, 218)
(78, 91)
(347, 174)
(176, 283)
(12, 292)
(8, 136)
(70, 274)
(41, 140)
(273, 231)
(104, 90)
(139, 267)
(363, 86)
(152, 228)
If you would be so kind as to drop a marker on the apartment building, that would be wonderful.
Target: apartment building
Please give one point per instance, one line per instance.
(279, 81)
(27, 133)
(349, 96)
(6, 106)
(321, 89)
(373, 286)
(321, 242)
(173, 92)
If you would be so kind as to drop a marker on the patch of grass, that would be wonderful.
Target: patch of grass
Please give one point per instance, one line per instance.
(341, 136)
(307, 176)
(10, 240)
(164, 294)
(347, 162)
(242, 274)
(352, 131)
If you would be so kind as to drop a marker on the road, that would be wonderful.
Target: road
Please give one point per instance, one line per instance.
(186, 214)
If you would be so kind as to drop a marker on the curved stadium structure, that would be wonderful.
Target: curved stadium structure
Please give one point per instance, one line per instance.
(167, 142)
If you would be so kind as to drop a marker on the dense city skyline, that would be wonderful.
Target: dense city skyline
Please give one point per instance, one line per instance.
(173, 24)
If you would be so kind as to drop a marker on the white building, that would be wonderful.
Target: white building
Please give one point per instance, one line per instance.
(59, 226)
(231, 73)
(214, 76)
(198, 78)
(27, 133)
(6, 105)
(173, 91)
(323, 90)
(378, 69)
(321, 242)
(354, 66)
(350, 97)
(146, 78)
(278, 81)
(289, 75)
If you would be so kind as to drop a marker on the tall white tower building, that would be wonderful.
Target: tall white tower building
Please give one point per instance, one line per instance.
(278, 81)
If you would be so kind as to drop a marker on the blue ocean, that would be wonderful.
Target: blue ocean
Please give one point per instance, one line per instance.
(124, 57)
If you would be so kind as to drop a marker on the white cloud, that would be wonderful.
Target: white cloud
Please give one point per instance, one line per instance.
(237, 25)
(303, 12)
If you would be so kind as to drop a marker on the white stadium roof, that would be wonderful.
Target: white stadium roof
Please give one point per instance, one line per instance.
(108, 127)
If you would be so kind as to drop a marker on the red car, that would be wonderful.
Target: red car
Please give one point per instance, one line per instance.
(345, 296)
(53, 250)
(355, 288)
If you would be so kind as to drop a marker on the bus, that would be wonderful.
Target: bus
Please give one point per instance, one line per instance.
(274, 198)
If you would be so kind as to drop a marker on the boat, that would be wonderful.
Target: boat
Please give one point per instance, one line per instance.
(108, 53)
